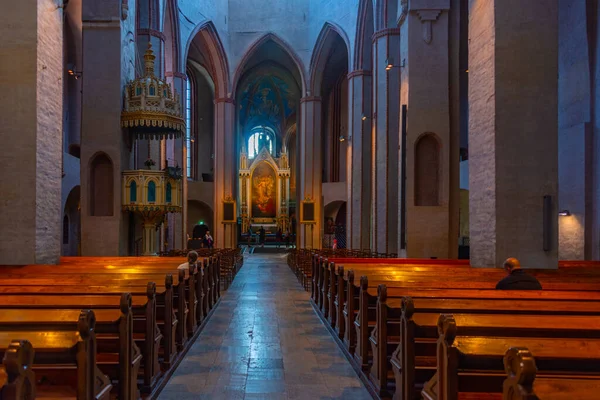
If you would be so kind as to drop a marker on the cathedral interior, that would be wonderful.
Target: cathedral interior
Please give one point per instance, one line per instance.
(461, 130)
(417, 128)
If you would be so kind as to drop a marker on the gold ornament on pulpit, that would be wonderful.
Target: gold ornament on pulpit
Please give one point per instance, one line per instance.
(152, 110)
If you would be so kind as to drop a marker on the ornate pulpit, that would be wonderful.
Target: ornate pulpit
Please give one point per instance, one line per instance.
(151, 110)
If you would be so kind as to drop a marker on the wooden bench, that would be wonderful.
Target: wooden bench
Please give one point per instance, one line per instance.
(521, 382)
(65, 361)
(17, 380)
(407, 338)
(470, 366)
(162, 325)
(117, 354)
(360, 305)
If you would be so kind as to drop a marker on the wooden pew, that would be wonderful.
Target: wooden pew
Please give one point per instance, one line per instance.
(406, 337)
(364, 306)
(360, 302)
(141, 307)
(97, 284)
(67, 359)
(17, 380)
(521, 382)
(146, 332)
(109, 271)
(117, 354)
(470, 366)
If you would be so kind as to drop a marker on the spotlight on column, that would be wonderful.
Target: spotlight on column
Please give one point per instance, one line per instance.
(389, 64)
(342, 138)
(363, 117)
(564, 213)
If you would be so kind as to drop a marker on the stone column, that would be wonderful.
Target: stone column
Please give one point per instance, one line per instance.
(105, 73)
(431, 224)
(225, 164)
(386, 139)
(359, 159)
(513, 139)
(576, 133)
(175, 148)
(310, 174)
(31, 113)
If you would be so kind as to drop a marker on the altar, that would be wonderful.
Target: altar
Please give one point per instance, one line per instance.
(264, 191)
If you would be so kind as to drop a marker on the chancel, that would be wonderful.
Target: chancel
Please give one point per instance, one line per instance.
(342, 199)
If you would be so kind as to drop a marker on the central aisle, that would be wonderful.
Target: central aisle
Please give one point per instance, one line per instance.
(264, 341)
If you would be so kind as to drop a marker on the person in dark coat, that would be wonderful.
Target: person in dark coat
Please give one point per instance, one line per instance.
(517, 278)
(262, 235)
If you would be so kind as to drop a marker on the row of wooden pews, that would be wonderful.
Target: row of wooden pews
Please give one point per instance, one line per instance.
(231, 260)
(300, 260)
(438, 329)
(102, 328)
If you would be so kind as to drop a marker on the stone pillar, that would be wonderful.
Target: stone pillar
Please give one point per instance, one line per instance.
(576, 134)
(431, 223)
(310, 174)
(225, 164)
(386, 139)
(513, 133)
(104, 76)
(178, 228)
(31, 113)
(359, 160)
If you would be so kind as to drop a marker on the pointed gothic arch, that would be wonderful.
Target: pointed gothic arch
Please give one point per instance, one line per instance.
(320, 56)
(241, 67)
(219, 64)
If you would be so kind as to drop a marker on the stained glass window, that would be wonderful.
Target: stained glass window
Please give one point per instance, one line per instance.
(257, 141)
(133, 192)
(168, 193)
(151, 192)
(188, 123)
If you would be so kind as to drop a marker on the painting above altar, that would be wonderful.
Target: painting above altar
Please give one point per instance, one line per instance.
(264, 191)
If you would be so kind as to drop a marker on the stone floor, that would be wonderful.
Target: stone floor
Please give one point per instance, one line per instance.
(265, 341)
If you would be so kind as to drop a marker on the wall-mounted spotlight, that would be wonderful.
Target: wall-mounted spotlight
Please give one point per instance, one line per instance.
(389, 64)
(71, 70)
(564, 213)
(363, 117)
(342, 138)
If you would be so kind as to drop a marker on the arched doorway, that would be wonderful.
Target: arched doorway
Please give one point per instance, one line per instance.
(71, 235)
(200, 219)
(335, 224)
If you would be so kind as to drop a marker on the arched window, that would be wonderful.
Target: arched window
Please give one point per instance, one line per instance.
(133, 192)
(168, 193)
(152, 91)
(101, 186)
(66, 230)
(427, 170)
(188, 125)
(258, 140)
(138, 91)
(151, 192)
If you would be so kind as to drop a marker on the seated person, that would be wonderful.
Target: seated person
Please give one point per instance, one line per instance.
(192, 259)
(517, 278)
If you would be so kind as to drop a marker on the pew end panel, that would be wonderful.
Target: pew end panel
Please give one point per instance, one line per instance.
(17, 380)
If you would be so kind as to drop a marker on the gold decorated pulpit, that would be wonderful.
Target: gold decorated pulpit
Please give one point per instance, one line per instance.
(152, 195)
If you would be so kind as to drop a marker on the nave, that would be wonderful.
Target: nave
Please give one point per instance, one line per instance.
(264, 341)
